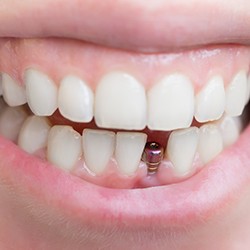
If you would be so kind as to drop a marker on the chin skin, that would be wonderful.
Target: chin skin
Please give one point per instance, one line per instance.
(28, 223)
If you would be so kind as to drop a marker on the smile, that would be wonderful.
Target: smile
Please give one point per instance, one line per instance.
(98, 130)
(143, 132)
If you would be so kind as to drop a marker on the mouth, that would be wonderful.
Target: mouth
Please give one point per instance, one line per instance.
(124, 134)
(121, 130)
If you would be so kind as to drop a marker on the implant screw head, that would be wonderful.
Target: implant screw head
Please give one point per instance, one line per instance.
(152, 156)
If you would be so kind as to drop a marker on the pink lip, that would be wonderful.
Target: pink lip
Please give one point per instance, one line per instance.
(206, 193)
(158, 26)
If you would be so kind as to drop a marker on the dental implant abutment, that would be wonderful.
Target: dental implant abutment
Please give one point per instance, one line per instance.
(152, 156)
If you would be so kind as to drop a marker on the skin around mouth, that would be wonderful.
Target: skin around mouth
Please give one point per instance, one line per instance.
(44, 207)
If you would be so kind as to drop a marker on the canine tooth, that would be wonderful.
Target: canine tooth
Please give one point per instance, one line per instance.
(230, 128)
(236, 94)
(13, 93)
(210, 142)
(171, 103)
(210, 102)
(41, 93)
(75, 99)
(34, 134)
(120, 102)
(181, 149)
(128, 151)
(98, 147)
(11, 120)
(64, 146)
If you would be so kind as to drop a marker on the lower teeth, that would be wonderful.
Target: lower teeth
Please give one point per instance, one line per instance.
(118, 160)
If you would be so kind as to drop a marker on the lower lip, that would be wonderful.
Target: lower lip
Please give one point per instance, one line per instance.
(209, 191)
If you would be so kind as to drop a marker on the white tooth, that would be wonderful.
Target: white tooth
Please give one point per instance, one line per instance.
(120, 102)
(171, 103)
(210, 101)
(230, 128)
(128, 152)
(236, 95)
(11, 120)
(41, 93)
(181, 149)
(98, 147)
(75, 99)
(13, 93)
(34, 134)
(210, 142)
(64, 147)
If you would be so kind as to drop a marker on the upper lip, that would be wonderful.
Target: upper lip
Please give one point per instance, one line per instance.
(153, 27)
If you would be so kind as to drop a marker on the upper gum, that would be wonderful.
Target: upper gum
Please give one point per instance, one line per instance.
(58, 58)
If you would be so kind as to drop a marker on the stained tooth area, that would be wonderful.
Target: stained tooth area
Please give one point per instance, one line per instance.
(171, 103)
(11, 120)
(236, 94)
(34, 134)
(41, 93)
(181, 149)
(120, 102)
(210, 142)
(98, 147)
(210, 101)
(64, 147)
(75, 99)
(13, 93)
(128, 151)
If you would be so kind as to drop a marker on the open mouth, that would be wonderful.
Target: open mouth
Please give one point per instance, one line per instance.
(123, 130)
(136, 138)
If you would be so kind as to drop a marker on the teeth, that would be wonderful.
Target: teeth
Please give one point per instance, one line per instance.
(128, 152)
(75, 99)
(171, 103)
(181, 149)
(230, 128)
(236, 95)
(210, 142)
(120, 102)
(98, 147)
(41, 93)
(64, 147)
(11, 120)
(13, 93)
(34, 134)
(210, 102)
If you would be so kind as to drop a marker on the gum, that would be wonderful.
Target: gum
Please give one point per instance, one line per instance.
(60, 57)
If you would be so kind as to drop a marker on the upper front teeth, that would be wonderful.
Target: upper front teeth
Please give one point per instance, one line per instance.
(171, 103)
(41, 93)
(75, 99)
(120, 101)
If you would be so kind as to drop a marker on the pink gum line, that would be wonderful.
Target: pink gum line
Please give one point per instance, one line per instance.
(60, 57)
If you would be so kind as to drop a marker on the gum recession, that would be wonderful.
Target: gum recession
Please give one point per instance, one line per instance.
(201, 196)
